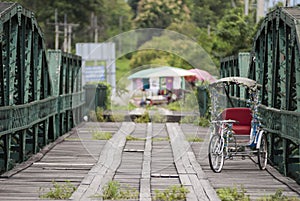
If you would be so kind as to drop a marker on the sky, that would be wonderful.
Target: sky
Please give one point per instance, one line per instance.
(274, 2)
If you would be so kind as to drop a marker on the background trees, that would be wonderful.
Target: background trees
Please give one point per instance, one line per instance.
(161, 13)
(110, 17)
(220, 27)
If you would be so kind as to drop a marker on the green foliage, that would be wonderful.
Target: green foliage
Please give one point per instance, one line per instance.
(204, 122)
(233, 194)
(196, 120)
(173, 49)
(60, 191)
(158, 118)
(100, 135)
(151, 56)
(159, 139)
(174, 192)
(144, 118)
(188, 119)
(207, 12)
(100, 114)
(113, 17)
(129, 107)
(122, 67)
(175, 106)
(160, 14)
(118, 117)
(122, 70)
(107, 101)
(193, 138)
(112, 191)
(234, 33)
(132, 138)
(220, 27)
(278, 196)
(190, 102)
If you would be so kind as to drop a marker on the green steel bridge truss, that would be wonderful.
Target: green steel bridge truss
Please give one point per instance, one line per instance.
(41, 93)
(275, 64)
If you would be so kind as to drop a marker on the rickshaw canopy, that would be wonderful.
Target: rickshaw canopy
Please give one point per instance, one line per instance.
(236, 80)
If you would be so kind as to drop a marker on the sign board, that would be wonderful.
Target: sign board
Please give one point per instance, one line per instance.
(94, 73)
(98, 52)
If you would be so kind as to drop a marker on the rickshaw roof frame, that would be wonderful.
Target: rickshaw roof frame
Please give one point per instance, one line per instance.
(236, 80)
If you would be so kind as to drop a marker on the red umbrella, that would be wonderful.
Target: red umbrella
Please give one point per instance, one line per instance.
(203, 75)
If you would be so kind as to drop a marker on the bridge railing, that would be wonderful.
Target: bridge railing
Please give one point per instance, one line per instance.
(41, 95)
(14, 118)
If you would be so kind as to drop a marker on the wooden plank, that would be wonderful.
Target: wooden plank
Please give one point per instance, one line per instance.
(145, 193)
(196, 166)
(185, 180)
(189, 170)
(108, 162)
(191, 196)
(198, 188)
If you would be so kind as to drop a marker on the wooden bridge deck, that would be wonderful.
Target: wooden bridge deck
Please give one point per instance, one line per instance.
(164, 158)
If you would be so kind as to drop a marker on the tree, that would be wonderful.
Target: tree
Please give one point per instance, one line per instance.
(207, 12)
(113, 17)
(160, 14)
(173, 49)
(234, 33)
(134, 6)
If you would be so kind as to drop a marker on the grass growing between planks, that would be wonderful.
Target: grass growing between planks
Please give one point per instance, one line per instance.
(228, 194)
(159, 139)
(113, 191)
(101, 135)
(175, 192)
(132, 138)
(192, 138)
(59, 191)
(239, 194)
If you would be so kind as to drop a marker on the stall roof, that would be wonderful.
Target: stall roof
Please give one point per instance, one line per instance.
(164, 71)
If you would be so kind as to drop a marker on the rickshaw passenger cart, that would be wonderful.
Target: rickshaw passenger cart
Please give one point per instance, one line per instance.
(235, 131)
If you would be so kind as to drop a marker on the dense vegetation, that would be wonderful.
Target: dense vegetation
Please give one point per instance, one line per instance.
(220, 27)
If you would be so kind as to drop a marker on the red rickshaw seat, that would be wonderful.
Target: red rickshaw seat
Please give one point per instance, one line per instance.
(242, 115)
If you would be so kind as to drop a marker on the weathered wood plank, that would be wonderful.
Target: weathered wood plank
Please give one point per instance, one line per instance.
(190, 172)
(145, 192)
(67, 160)
(107, 164)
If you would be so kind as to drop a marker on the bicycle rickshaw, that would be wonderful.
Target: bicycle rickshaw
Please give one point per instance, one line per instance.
(235, 127)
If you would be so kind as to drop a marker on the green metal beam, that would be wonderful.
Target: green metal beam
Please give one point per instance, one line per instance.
(283, 56)
(28, 104)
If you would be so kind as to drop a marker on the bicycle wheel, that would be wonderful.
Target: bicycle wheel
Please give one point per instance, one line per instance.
(262, 155)
(215, 153)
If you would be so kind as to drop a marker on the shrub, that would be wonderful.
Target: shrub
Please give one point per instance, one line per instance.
(100, 135)
(278, 196)
(144, 118)
(100, 114)
(132, 138)
(60, 191)
(112, 191)
(158, 118)
(233, 194)
(174, 192)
